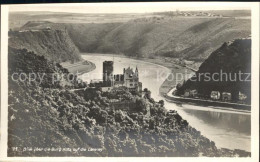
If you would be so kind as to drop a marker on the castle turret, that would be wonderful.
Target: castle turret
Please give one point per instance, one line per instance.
(136, 74)
(136, 71)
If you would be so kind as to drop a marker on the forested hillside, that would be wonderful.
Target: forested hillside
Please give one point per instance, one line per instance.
(53, 117)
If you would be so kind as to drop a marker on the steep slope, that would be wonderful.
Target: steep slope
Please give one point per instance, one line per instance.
(202, 39)
(181, 37)
(88, 37)
(140, 37)
(227, 69)
(54, 45)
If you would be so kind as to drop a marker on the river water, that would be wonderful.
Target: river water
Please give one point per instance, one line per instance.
(228, 129)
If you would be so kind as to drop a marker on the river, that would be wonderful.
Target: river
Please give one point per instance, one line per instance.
(228, 129)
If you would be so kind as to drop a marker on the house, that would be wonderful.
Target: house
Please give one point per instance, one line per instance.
(226, 96)
(186, 93)
(242, 96)
(194, 93)
(190, 93)
(215, 95)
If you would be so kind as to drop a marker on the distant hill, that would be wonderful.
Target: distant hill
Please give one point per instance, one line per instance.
(18, 19)
(198, 41)
(55, 45)
(208, 13)
(180, 37)
(232, 13)
(144, 35)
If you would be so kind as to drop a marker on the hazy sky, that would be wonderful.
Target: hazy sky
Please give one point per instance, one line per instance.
(139, 7)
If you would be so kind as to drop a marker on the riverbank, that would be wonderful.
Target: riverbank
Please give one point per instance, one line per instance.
(221, 105)
(79, 67)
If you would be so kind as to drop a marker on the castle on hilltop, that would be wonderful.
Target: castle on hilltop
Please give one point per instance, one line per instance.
(129, 78)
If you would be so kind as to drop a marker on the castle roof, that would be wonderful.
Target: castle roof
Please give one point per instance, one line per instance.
(129, 70)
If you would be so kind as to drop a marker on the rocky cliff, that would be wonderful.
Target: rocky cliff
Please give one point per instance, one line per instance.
(54, 45)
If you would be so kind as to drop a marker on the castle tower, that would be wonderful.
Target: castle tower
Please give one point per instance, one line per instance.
(108, 68)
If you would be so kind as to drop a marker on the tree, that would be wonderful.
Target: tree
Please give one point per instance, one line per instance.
(161, 102)
(141, 105)
(147, 94)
